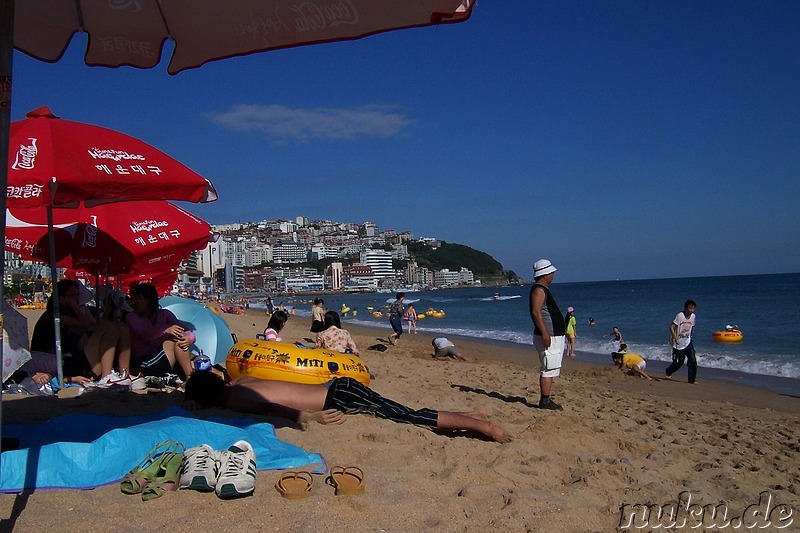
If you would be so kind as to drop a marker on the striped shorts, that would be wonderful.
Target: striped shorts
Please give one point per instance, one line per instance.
(351, 397)
(157, 365)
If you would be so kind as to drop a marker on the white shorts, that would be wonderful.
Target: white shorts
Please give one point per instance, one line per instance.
(642, 365)
(550, 356)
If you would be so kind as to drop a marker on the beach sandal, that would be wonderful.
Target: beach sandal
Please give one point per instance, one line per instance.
(347, 480)
(137, 479)
(166, 477)
(295, 485)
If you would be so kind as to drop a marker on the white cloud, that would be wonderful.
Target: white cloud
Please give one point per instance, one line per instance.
(283, 123)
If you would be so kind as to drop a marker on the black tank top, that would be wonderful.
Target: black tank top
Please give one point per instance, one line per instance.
(553, 319)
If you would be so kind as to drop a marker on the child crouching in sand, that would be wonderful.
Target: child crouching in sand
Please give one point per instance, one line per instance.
(630, 362)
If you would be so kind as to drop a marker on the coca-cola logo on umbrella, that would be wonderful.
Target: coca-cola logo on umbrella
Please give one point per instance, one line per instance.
(25, 158)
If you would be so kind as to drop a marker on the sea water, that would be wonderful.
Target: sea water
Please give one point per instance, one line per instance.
(765, 307)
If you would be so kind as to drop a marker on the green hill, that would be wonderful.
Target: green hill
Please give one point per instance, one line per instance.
(454, 256)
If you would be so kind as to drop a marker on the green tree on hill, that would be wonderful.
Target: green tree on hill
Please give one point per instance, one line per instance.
(455, 256)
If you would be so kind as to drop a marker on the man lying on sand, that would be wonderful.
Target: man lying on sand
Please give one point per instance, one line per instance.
(324, 403)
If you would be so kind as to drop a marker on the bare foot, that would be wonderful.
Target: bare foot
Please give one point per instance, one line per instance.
(328, 416)
(498, 434)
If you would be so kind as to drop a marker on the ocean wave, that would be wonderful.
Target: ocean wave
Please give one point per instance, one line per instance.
(744, 360)
(406, 301)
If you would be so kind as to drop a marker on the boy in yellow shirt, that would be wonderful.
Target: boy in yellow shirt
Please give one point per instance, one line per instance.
(630, 362)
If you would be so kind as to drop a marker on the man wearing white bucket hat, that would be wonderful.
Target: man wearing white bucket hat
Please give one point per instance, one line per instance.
(548, 330)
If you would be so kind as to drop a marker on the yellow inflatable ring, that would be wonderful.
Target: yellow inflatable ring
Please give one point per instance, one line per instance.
(727, 336)
(283, 361)
(377, 314)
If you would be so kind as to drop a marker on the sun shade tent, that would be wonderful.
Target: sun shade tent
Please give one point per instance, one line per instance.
(212, 332)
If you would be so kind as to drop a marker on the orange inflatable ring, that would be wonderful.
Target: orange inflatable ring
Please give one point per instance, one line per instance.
(733, 335)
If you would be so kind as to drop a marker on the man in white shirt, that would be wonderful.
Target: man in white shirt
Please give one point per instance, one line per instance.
(682, 346)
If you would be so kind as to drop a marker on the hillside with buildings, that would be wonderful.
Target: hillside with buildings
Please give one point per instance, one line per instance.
(313, 255)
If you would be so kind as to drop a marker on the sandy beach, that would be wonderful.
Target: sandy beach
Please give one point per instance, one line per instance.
(619, 441)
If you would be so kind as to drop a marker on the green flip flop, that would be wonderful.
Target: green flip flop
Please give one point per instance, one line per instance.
(166, 478)
(140, 477)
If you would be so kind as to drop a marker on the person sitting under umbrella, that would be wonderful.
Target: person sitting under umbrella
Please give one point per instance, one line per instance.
(109, 346)
(76, 324)
(158, 341)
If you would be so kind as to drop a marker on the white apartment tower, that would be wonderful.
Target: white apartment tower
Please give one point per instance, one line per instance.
(380, 261)
(336, 276)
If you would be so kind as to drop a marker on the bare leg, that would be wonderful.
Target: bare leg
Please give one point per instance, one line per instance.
(184, 359)
(178, 355)
(544, 385)
(100, 349)
(450, 420)
(124, 347)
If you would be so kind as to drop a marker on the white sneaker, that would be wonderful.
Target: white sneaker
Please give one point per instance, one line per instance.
(119, 380)
(137, 382)
(200, 469)
(108, 381)
(237, 471)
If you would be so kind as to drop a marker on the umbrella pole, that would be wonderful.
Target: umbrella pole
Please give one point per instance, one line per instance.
(6, 55)
(97, 293)
(54, 296)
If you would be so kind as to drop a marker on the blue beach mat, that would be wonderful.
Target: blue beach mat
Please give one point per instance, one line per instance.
(82, 451)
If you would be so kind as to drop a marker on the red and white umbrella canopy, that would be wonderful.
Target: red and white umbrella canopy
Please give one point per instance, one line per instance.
(136, 236)
(132, 32)
(162, 280)
(53, 161)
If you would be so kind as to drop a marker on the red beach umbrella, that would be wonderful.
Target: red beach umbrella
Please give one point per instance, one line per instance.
(113, 238)
(53, 161)
(133, 33)
(56, 162)
(163, 279)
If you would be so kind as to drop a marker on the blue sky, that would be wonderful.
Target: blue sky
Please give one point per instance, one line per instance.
(620, 140)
